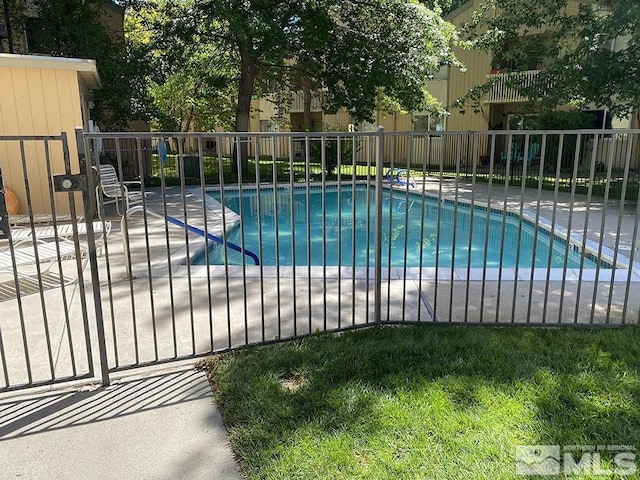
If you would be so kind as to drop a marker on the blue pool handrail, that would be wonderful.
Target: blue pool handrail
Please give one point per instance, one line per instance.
(393, 176)
(214, 238)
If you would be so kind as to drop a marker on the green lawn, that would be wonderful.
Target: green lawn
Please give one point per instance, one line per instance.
(286, 169)
(438, 402)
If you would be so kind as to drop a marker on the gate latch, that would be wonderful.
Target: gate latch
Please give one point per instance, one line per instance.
(70, 183)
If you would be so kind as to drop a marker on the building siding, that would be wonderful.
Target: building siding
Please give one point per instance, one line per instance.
(36, 101)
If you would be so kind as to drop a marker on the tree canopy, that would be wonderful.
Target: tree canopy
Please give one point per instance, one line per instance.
(187, 83)
(355, 51)
(590, 51)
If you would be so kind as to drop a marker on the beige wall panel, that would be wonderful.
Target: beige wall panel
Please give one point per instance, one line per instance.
(341, 119)
(439, 89)
(478, 66)
(8, 126)
(38, 102)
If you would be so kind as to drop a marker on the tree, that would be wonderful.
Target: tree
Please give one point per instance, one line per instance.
(355, 49)
(384, 52)
(67, 28)
(189, 84)
(590, 54)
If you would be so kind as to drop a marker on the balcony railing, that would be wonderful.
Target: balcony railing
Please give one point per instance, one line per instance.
(502, 92)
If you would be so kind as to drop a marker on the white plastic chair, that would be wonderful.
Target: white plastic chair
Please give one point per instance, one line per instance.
(111, 190)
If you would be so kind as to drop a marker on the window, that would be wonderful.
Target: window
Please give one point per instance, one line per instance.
(269, 125)
(428, 123)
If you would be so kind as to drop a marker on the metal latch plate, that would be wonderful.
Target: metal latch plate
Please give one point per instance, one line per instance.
(70, 183)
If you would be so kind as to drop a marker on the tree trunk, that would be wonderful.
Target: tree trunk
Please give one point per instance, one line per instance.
(307, 122)
(243, 110)
(7, 23)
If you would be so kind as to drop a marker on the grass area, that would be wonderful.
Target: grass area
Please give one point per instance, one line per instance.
(284, 169)
(438, 402)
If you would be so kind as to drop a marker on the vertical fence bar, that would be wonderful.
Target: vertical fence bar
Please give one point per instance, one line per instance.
(276, 226)
(505, 207)
(240, 151)
(45, 322)
(125, 222)
(256, 146)
(603, 222)
(406, 228)
(633, 250)
(63, 290)
(552, 233)
(585, 230)
(390, 229)
(574, 182)
(185, 219)
(90, 208)
(422, 299)
(536, 224)
(354, 200)
(367, 221)
(472, 212)
(205, 238)
(225, 250)
(339, 203)
(456, 184)
(623, 194)
(523, 185)
(165, 213)
(487, 225)
(323, 163)
(154, 320)
(294, 293)
(378, 226)
(307, 156)
(438, 230)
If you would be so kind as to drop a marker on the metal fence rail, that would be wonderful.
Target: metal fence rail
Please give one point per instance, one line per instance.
(241, 239)
(354, 229)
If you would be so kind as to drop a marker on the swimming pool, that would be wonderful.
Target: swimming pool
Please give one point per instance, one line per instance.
(337, 229)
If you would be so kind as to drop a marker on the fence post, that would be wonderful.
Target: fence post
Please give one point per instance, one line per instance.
(89, 210)
(378, 225)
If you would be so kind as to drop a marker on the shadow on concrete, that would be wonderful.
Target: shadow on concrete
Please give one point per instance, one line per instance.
(50, 412)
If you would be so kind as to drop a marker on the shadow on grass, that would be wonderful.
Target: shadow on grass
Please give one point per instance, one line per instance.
(427, 401)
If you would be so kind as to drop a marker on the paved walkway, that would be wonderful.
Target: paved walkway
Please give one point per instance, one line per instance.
(162, 426)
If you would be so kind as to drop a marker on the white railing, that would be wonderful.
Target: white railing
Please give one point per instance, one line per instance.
(502, 92)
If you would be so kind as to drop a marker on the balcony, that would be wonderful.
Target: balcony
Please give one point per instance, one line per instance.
(501, 92)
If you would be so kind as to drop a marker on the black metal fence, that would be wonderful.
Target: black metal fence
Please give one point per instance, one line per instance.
(235, 239)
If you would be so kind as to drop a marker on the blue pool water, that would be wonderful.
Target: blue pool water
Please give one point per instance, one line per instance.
(342, 237)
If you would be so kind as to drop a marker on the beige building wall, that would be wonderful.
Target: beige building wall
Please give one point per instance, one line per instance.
(41, 96)
(477, 66)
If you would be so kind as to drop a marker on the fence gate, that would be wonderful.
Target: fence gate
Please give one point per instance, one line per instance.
(47, 318)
